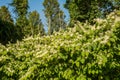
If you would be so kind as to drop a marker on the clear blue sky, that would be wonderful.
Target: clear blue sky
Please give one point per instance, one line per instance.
(36, 5)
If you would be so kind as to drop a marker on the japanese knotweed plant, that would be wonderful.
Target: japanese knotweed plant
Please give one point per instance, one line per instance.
(85, 52)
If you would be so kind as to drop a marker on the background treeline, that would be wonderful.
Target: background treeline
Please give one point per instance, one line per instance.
(88, 10)
(28, 24)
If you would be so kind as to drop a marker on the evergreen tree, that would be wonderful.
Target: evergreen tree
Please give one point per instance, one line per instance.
(5, 14)
(8, 32)
(21, 10)
(35, 24)
(54, 15)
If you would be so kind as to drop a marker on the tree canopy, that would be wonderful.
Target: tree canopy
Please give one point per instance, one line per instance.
(35, 24)
(8, 31)
(55, 16)
(83, 10)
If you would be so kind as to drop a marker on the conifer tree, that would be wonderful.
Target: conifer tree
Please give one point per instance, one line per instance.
(5, 14)
(21, 10)
(8, 32)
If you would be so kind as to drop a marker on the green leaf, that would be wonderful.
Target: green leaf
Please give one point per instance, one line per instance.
(77, 64)
(82, 60)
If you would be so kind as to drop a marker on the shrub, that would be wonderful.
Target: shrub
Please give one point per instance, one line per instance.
(84, 52)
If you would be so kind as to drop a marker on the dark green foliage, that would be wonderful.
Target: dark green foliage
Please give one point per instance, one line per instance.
(20, 7)
(82, 10)
(30, 24)
(8, 32)
(5, 14)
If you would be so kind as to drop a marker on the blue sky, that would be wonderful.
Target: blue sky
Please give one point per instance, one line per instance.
(37, 5)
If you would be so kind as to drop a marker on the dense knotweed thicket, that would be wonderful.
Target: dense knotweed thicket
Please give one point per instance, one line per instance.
(84, 52)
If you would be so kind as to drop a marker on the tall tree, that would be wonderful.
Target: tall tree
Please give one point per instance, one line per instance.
(35, 24)
(8, 32)
(54, 15)
(83, 10)
(21, 10)
(5, 14)
(59, 22)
